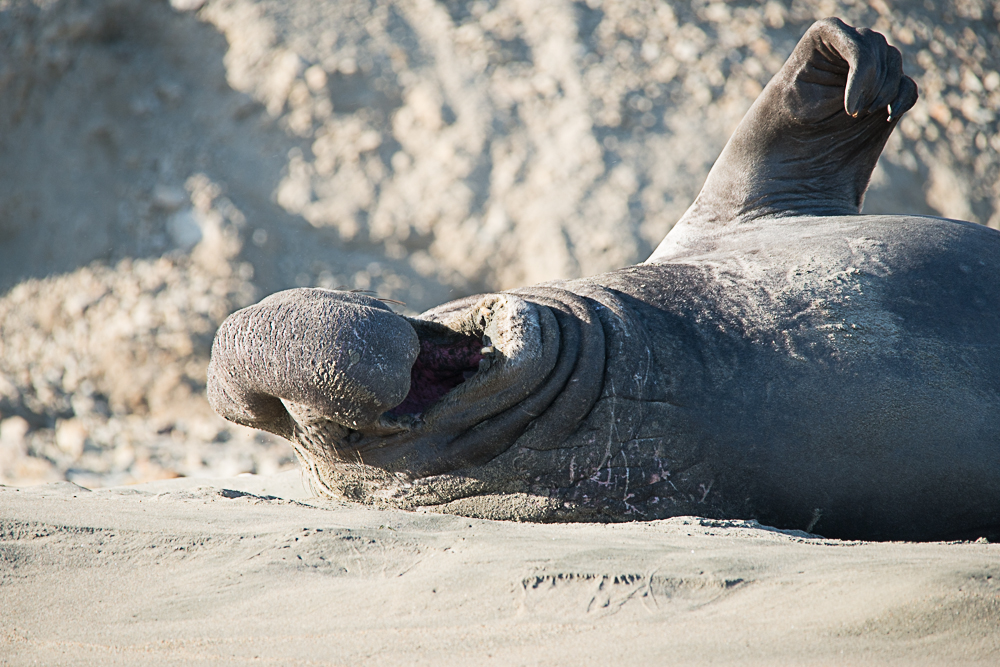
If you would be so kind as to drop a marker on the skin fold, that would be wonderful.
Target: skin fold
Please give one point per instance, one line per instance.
(778, 357)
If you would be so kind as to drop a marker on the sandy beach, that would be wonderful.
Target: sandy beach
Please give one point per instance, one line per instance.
(251, 570)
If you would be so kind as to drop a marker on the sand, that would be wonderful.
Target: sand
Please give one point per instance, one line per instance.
(251, 570)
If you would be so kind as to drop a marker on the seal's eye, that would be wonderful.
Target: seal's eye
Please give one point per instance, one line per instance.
(442, 365)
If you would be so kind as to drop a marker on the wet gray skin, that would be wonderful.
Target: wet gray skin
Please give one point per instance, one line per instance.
(779, 356)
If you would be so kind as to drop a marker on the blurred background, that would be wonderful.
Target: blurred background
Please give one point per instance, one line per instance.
(165, 163)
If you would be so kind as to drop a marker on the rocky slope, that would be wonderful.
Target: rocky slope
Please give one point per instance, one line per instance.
(163, 164)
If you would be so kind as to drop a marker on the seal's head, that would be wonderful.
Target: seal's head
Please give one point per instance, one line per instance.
(354, 385)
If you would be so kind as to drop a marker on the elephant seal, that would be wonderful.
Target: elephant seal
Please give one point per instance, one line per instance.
(778, 357)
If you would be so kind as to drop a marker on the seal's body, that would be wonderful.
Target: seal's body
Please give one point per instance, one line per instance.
(778, 357)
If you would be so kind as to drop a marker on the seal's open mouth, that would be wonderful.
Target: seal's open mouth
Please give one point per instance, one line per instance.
(474, 369)
(442, 365)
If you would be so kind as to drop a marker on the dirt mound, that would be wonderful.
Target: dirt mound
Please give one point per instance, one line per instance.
(162, 165)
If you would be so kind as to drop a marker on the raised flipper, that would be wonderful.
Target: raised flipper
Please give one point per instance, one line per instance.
(809, 143)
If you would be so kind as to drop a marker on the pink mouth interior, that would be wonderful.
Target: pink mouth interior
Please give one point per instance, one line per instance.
(439, 368)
